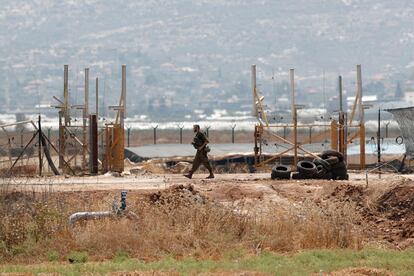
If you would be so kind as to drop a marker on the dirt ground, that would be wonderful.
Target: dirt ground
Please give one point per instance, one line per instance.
(383, 207)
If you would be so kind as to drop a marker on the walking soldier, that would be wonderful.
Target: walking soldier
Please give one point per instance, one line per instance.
(200, 142)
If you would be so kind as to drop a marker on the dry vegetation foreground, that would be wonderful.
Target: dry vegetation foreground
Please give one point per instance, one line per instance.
(241, 217)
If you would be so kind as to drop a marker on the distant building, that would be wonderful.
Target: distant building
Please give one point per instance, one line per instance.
(409, 97)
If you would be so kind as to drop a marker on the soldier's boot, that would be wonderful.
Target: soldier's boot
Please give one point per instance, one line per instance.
(210, 176)
(188, 175)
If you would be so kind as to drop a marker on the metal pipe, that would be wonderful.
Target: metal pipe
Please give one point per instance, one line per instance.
(18, 123)
(88, 215)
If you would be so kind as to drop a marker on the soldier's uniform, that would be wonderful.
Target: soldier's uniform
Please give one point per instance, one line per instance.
(201, 155)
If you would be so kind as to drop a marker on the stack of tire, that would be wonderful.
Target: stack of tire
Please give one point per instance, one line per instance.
(330, 165)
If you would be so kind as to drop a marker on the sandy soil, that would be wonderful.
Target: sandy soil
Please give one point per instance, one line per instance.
(383, 206)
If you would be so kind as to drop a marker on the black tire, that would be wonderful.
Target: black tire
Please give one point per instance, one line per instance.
(323, 163)
(281, 172)
(297, 175)
(339, 165)
(340, 174)
(332, 160)
(328, 153)
(320, 172)
(306, 168)
(328, 176)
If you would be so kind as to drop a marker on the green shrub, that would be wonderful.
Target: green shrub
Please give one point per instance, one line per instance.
(78, 257)
(52, 256)
(120, 256)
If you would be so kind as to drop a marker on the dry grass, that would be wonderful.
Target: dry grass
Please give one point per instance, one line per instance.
(34, 226)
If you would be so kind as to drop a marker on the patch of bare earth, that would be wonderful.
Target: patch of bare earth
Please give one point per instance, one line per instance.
(360, 271)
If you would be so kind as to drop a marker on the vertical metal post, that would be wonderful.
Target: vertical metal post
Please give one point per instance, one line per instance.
(128, 135)
(341, 107)
(232, 133)
(39, 133)
(284, 132)
(254, 110)
(48, 135)
(97, 98)
(334, 135)
(208, 131)
(295, 136)
(108, 152)
(85, 119)
(345, 136)
(310, 135)
(181, 133)
(66, 94)
(292, 91)
(123, 95)
(341, 119)
(256, 149)
(21, 138)
(10, 151)
(48, 145)
(155, 134)
(294, 116)
(361, 120)
(386, 129)
(379, 143)
(93, 144)
(61, 140)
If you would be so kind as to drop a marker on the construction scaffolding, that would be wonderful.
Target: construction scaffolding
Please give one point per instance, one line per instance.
(79, 143)
(340, 131)
(25, 149)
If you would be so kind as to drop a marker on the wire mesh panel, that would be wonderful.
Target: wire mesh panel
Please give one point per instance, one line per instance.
(18, 149)
(404, 118)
